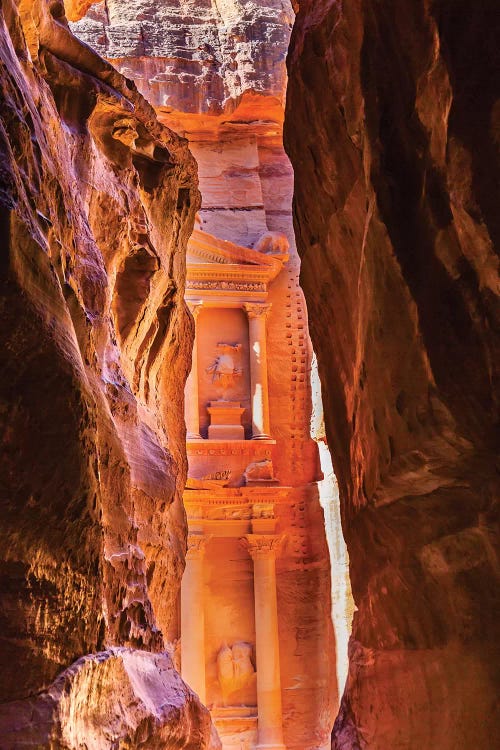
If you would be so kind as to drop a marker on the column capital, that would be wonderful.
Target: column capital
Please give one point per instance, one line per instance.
(196, 544)
(194, 306)
(257, 309)
(262, 545)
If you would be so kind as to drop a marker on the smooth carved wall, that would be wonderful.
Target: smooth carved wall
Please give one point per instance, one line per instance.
(231, 188)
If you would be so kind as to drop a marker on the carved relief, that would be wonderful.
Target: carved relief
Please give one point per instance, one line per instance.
(256, 310)
(262, 545)
(235, 669)
(235, 286)
(223, 369)
(201, 450)
(224, 475)
(273, 243)
(228, 513)
(196, 544)
(194, 307)
(263, 510)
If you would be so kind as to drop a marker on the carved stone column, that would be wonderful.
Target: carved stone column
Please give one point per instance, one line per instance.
(257, 314)
(193, 617)
(262, 548)
(192, 413)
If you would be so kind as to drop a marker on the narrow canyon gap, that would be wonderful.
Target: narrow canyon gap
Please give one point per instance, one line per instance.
(390, 127)
(215, 73)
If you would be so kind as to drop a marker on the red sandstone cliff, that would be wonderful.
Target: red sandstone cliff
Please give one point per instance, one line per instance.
(392, 126)
(97, 202)
(196, 57)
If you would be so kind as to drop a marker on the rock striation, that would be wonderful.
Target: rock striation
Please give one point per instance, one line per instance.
(97, 200)
(392, 127)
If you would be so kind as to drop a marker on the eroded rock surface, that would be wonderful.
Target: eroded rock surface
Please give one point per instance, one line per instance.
(97, 201)
(194, 55)
(110, 697)
(392, 127)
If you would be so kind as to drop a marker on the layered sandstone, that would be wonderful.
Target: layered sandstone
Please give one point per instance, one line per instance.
(97, 202)
(196, 56)
(215, 72)
(392, 127)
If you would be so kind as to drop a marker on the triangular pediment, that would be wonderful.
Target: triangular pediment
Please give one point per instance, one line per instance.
(204, 247)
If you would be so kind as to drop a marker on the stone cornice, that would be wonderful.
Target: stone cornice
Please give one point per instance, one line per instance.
(204, 447)
(235, 284)
(236, 496)
(231, 271)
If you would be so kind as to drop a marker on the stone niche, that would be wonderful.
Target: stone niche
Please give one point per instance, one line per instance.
(229, 625)
(227, 395)
(223, 373)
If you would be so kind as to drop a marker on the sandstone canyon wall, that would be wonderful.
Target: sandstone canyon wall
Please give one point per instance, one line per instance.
(215, 72)
(392, 127)
(97, 202)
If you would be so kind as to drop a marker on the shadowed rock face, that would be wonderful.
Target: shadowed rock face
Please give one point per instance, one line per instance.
(392, 127)
(97, 200)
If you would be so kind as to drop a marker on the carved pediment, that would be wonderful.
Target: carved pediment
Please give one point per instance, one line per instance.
(210, 258)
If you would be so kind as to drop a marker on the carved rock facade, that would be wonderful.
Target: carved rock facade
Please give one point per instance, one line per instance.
(215, 72)
(97, 202)
(391, 118)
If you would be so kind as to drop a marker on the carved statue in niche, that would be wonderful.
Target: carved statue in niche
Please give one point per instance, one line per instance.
(235, 669)
(223, 369)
